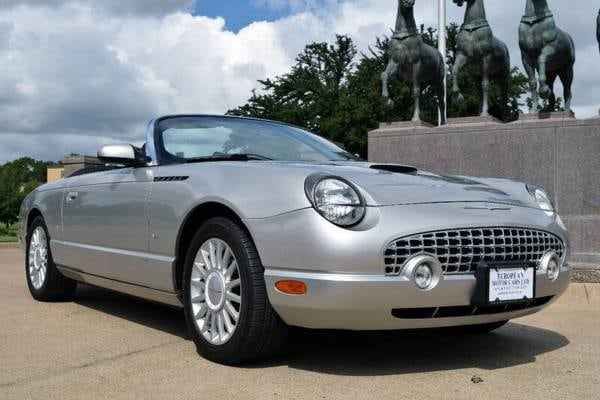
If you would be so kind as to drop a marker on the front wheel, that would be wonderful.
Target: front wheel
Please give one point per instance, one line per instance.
(226, 307)
(44, 280)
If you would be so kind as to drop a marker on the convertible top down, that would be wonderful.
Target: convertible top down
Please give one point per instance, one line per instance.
(254, 226)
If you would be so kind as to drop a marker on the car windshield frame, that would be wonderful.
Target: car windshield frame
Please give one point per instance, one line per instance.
(328, 150)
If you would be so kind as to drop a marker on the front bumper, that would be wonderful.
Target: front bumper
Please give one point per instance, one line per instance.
(344, 269)
(365, 302)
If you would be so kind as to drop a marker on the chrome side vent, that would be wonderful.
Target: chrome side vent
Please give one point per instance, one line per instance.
(170, 178)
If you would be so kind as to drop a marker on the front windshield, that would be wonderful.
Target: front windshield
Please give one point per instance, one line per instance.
(192, 138)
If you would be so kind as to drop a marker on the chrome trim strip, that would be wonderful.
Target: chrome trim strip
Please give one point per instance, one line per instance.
(331, 276)
(129, 253)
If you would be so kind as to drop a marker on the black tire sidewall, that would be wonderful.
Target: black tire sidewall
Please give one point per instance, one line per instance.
(223, 229)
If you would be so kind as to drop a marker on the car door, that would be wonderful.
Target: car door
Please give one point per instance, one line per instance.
(105, 224)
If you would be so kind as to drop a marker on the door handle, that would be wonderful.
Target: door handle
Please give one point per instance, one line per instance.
(71, 196)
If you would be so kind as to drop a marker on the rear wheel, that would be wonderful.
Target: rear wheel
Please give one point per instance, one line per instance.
(227, 310)
(44, 280)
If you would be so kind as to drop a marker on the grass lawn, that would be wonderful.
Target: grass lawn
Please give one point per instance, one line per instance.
(8, 239)
(8, 234)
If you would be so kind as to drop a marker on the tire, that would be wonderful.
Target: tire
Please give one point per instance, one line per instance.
(258, 333)
(44, 280)
(480, 329)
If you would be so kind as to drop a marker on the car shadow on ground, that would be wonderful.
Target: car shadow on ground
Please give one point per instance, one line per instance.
(405, 352)
(156, 316)
(359, 353)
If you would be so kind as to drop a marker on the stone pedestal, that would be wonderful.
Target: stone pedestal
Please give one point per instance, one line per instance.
(564, 115)
(73, 164)
(553, 150)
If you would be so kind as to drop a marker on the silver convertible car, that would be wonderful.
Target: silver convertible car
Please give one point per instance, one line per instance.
(253, 227)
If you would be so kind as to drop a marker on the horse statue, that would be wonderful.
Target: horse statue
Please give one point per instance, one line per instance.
(414, 60)
(547, 50)
(486, 56)
(598, 29)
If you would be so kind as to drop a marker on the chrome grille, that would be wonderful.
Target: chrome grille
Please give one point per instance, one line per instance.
(461, 250)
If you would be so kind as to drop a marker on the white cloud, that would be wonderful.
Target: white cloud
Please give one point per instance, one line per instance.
(44, 146)
(294, 5)
(274, 4)
(73, 77)
(71, 72)
(136, 7)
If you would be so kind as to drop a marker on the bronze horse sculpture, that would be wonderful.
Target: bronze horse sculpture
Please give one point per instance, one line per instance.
(547, 50)
(486, 56)
(598, 28)
(414, 60)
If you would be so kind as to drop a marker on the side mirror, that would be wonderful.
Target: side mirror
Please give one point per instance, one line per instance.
(122, 154)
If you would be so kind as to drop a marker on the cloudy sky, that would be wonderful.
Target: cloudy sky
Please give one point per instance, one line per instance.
(75, 74)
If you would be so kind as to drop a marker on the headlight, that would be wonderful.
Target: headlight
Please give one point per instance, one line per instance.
(541, 198)
(336, 199)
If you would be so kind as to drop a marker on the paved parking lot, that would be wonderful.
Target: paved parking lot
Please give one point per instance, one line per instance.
(105, 345)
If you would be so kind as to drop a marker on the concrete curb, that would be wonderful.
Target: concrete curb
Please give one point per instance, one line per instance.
(581, 293)
(585, 273)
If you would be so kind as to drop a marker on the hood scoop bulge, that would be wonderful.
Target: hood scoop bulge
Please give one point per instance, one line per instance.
(395, 168)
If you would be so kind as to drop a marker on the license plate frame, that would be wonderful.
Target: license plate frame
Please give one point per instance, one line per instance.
(482, 288)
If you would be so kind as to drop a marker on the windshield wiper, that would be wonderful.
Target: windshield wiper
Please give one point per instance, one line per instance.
(228, 157)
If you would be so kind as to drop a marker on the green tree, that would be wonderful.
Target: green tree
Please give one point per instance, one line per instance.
(312, 94)
(17, 178)
(336, 93)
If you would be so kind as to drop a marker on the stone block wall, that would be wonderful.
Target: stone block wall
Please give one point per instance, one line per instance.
(555, 151)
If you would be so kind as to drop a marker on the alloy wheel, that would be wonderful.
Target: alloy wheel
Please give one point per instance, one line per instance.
(38, 257)
(216, 291)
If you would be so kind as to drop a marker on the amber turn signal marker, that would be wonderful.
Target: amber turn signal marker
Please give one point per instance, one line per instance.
(291, 287)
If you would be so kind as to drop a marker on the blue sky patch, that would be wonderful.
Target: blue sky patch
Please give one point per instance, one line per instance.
(238, 14)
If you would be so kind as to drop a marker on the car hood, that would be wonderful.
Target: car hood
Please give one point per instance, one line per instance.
(244, 186)
(391, 184)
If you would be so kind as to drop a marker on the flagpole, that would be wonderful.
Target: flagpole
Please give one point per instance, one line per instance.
(442, 48)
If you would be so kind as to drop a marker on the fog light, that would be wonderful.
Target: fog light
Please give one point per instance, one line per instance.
(550, 263)
(553, 269)
(424, 270)
(423, 276)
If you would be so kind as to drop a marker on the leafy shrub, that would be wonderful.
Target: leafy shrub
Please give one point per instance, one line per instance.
(9, 231)
(13, 230)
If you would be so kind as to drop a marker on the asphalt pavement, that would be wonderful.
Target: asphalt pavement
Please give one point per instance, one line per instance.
(104, 345)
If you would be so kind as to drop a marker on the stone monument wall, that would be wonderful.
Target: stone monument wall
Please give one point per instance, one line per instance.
(554, 151)
(73, 164)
